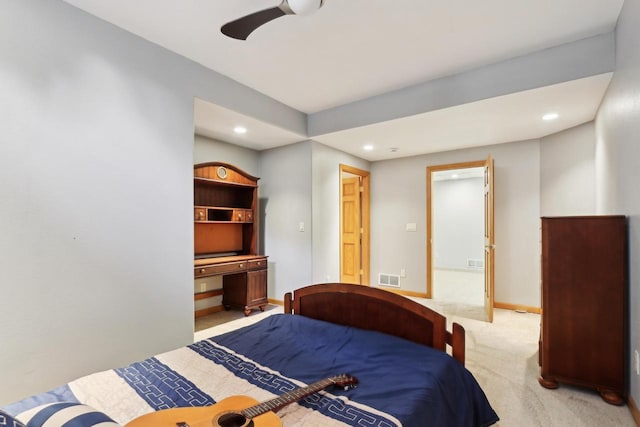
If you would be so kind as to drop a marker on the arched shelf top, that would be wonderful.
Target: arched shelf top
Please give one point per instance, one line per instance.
(223, 172)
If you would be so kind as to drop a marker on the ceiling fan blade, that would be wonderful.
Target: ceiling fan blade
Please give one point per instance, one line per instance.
(242, 27)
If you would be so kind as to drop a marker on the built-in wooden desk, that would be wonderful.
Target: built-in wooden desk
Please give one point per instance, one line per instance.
(225, 231)
(244, 279)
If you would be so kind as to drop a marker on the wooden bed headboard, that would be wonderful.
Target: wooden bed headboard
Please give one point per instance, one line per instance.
(378, 310)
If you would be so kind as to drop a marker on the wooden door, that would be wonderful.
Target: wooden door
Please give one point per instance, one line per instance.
(489, 263)
(489, 240)
(351, 231)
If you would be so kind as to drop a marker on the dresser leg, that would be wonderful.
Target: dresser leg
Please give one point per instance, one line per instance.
(612, 397)
(247, 311)
(548, 383)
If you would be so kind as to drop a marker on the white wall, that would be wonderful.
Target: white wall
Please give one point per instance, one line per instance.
(458, 222)
(618, 158)
(399, 197)
(567, 172)
(96, 166)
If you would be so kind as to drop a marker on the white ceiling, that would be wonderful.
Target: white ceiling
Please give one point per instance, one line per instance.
(508, 118)
(354, 49)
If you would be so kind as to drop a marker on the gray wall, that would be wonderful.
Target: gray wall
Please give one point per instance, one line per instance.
(94, 197)
(96, 165)
(458, 222)
(567, 172)
(300, 183)
(211, 150)
(399, 197)
(285, 197)
(326, 209)
(618, 154)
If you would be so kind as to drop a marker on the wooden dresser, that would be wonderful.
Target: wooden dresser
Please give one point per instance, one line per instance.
(226, 235)
(584, 304)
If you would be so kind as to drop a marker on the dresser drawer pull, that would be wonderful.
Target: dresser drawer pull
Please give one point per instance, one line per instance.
(241, 266)
(202, 270)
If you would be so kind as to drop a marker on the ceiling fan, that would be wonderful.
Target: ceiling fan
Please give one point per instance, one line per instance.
(242, 27)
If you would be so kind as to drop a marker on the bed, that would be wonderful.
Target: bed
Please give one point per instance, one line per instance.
(387, 355)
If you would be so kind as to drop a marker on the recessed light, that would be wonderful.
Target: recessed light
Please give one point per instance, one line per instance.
(393, 149)
(550, 116)
(240, 130)
(454, 176)
(367, 147)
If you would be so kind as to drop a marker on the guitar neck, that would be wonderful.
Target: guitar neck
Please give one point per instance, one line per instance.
(286, 399)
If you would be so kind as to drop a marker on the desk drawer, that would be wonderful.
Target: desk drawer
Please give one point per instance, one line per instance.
(212, 270)
(199, 214)
(239, 215)
(257, 264)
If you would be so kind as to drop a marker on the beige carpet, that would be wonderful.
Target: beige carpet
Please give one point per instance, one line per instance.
(503, 356)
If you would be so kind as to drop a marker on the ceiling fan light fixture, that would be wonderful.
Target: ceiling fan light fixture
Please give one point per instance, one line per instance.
(304, 7)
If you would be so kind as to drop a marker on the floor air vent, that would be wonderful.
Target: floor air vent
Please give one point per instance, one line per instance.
(392, 280)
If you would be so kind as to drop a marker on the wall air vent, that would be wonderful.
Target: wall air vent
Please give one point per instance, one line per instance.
(392, 280)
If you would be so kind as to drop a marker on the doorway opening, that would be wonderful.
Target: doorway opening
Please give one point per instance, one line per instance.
(354, 225)
(460, 237)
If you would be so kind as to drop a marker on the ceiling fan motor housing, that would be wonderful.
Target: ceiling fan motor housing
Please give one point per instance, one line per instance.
(303, 7)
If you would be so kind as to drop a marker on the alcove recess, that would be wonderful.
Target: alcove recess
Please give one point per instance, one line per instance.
(226, 234)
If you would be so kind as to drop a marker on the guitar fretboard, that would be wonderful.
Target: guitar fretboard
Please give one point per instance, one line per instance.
(285, 399)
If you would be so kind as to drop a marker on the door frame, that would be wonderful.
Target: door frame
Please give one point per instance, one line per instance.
(365, 193)
(489, 302)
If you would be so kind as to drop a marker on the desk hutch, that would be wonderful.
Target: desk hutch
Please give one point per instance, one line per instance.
(226, 234)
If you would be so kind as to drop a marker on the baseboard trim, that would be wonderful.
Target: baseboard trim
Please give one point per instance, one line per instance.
(518, 307)
(207, 294)
(402, 292)
(208, 310)
(635, 413)
(276, 301)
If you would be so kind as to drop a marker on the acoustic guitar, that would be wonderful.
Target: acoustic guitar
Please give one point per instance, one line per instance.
(238, 411)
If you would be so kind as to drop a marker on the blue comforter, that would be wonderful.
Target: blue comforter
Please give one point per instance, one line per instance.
(400, 382)
(418, 385)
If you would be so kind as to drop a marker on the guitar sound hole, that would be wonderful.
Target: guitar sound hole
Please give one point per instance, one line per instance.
(234, 420)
